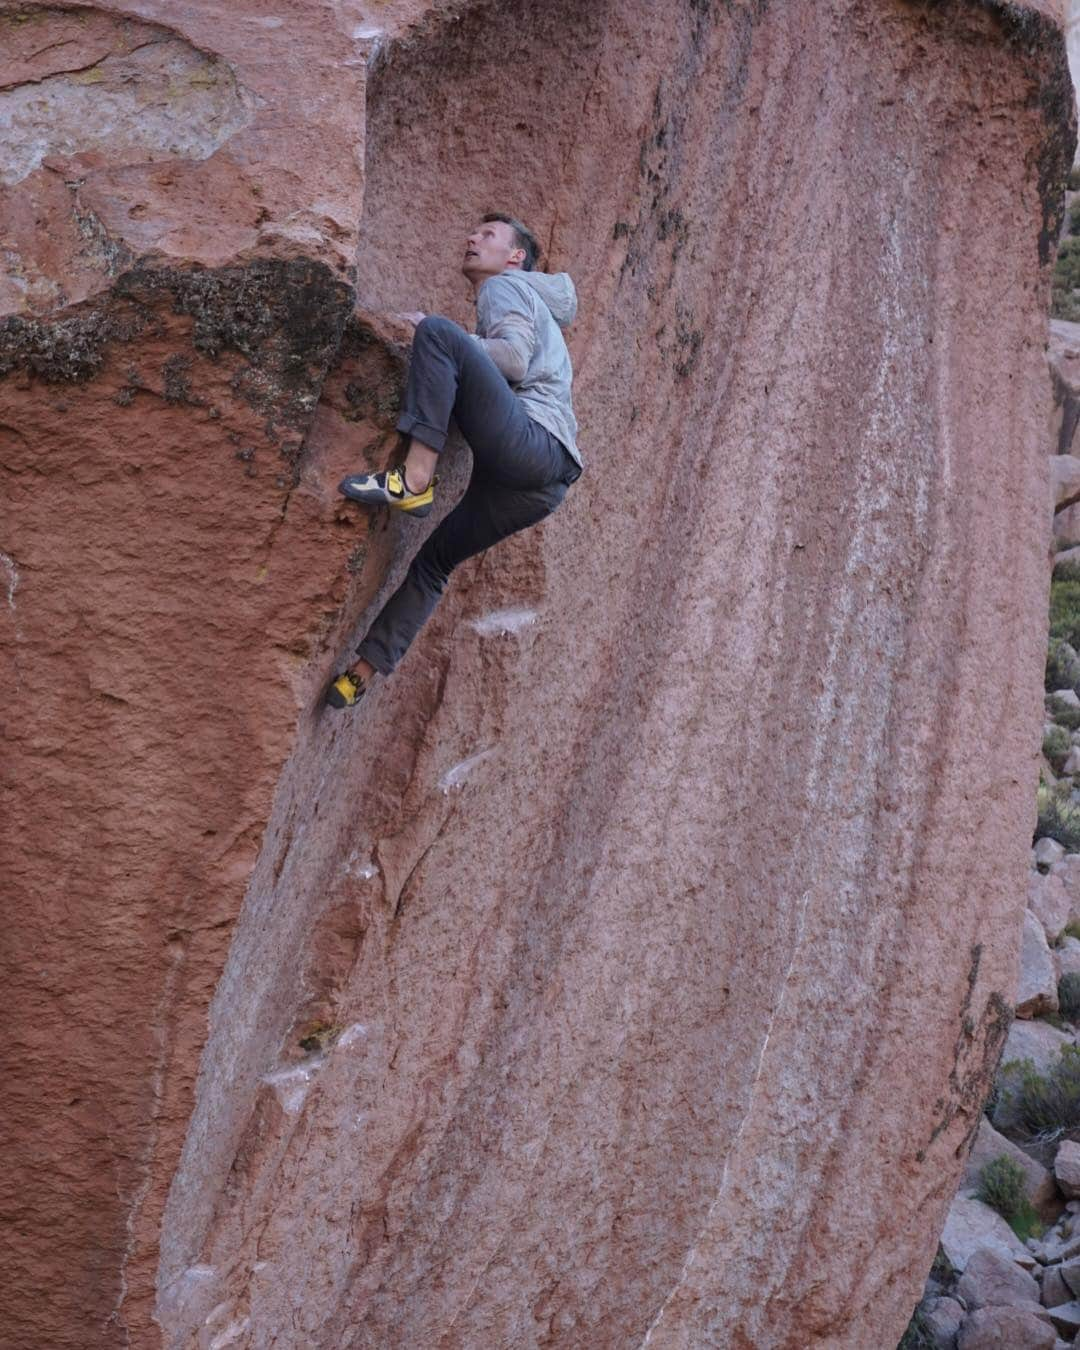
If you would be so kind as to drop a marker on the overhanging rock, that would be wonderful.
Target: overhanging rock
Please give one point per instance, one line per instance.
(632, 975)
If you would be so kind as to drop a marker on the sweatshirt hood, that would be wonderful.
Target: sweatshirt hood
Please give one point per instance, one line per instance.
(555, 289)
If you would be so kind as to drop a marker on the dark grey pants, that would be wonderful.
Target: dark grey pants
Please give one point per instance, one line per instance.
(520, 473)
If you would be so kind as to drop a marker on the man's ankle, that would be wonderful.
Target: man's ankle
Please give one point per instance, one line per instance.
(410, 483)
(362, 670)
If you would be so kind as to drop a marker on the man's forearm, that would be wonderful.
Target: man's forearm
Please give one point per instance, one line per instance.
(505, 356)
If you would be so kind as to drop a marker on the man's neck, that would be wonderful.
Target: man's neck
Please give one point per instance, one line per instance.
(477, 282)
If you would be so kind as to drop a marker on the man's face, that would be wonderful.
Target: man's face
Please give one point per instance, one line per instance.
(489, 250)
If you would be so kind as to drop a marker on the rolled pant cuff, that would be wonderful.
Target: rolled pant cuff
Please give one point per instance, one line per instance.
(432, 437)
(376, 657)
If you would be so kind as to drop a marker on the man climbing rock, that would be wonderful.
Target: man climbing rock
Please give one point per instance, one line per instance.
(507, 386)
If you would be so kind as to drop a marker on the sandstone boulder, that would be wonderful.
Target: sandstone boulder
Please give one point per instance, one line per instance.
(1069, 1271)
(1048, 851)
(1067, 1168)
(942, 1318)
(1054, 1289)
(1037, 985)
(1065, 1318)
(1063, 355)
(1006, 1329)
(970, 1225)
(1049, 901)
(1067, 956)
(991, 1279)
(1065, 477)
(1068, 869)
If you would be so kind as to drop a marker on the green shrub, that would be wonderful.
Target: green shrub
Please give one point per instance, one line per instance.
(1064, 301)
(1059, 818)
(1073, 180)
(1064, 304)
(1065, 608)
(1069, 995)
(1027, 1223)
(1056, 745)
(1066, 717)
(1071, 929)
(1048, 1105)
(1067, 265)
(1060, 666)
(1001, 1185)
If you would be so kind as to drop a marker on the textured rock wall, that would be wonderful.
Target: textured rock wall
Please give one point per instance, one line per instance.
(629, 970)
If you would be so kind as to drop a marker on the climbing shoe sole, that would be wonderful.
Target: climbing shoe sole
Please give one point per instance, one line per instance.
(388, 489)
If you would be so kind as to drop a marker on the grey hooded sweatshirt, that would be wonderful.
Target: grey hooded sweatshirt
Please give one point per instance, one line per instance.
(518, 320)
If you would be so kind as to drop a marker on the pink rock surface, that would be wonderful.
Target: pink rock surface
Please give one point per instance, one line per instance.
(646, 996)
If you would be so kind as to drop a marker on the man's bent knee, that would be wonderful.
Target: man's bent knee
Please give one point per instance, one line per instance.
(430, 571)
(438, 326)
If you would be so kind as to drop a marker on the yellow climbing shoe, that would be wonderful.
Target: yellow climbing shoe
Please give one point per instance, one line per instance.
(388, 489)
(346, 690)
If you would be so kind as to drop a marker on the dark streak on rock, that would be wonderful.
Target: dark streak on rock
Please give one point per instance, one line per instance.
(1040, 40)
(968, 1087)
(286, 318)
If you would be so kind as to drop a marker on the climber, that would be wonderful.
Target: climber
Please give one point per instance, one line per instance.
(508, 388)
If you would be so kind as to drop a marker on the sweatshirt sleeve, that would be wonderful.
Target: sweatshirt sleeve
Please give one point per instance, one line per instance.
(506, 328)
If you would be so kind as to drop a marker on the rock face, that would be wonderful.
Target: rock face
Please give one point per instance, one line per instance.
(992, 1280)
(633, 976)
